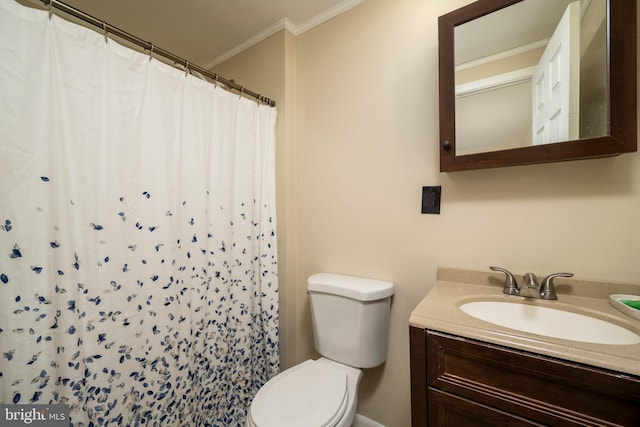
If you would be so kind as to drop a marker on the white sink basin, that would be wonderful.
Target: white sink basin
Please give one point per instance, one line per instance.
(550, 322)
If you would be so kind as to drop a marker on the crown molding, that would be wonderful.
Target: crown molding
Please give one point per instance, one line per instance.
(284, 24)
(327, 15)
(502, 55)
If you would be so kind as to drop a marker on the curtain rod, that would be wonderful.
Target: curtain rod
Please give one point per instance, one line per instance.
(154, 50)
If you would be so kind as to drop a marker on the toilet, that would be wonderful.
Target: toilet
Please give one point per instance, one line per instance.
(350, 318)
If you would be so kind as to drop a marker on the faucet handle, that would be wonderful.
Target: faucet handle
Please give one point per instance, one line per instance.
(510, 284)
(531, 281)
(547, 289)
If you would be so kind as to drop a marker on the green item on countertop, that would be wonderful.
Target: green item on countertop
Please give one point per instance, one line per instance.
(631, 303)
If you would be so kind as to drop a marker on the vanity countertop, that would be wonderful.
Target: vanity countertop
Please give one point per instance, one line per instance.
(439, 311)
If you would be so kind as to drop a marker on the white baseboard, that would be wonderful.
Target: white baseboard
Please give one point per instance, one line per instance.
(362, 421)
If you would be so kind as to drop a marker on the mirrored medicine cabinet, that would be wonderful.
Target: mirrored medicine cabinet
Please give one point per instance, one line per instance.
(536, 81)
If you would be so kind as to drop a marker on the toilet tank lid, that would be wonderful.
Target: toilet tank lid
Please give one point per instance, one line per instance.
(357, 288)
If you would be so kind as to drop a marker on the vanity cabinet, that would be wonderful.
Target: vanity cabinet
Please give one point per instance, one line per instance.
(457, 381)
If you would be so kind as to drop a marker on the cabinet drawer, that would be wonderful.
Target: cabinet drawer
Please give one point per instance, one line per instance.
(538, 388)
(449, 410)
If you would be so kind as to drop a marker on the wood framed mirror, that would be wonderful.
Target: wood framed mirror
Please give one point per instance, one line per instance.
(600, 114)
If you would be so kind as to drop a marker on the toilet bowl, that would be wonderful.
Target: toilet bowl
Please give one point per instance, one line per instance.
(315, 393)
(350, 317)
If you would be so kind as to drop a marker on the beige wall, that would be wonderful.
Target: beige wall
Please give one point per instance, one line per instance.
(358, 138)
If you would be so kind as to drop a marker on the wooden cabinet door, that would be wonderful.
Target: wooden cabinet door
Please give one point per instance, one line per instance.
(457, 381)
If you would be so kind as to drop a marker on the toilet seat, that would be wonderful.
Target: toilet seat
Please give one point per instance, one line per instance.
(310, 394)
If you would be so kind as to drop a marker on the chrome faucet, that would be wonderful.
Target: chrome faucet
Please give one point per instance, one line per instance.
(532, 288)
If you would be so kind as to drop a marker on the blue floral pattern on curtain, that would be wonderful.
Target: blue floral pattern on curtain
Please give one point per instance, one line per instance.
(138, 269)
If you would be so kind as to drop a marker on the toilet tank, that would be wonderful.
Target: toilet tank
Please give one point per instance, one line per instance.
(350, 318)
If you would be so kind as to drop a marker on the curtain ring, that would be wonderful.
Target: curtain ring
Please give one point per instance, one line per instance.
(186, 68)
(50, 8)
(151, 52)
(241, 91)
(216, 81)
(104, 31)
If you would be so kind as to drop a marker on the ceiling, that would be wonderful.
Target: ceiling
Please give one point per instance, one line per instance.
(206, 32)
(518, 25)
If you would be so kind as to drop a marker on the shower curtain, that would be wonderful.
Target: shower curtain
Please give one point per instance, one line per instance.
(138, 270)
